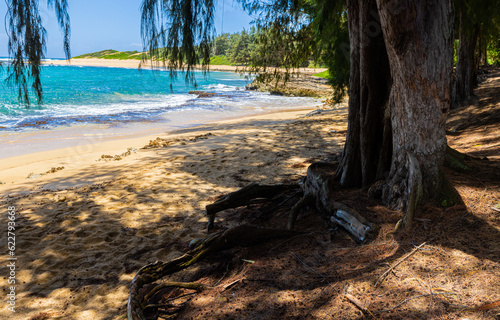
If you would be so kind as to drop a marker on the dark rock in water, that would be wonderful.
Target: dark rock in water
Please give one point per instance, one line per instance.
(203, 94)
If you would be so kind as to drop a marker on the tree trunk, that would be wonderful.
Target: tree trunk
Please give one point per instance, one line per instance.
(368, 147)
(419, 37)
(467, 64)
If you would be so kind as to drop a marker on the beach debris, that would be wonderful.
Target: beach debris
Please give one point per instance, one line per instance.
(54, 169)
(200, 137)
(163, 143)
(1, 182)
(118, 157)
(157, 143)
(33, 175)
(314, 191)
(32, 124)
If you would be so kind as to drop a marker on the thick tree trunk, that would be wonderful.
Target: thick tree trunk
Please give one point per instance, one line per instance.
(467, 65)
(368, 147)
(418, 36)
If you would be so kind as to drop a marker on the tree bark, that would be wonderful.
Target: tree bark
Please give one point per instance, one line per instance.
(419, 37)
(467, 64)
(368, 147)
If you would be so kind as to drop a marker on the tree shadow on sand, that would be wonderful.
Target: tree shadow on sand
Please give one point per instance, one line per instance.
(79, 249)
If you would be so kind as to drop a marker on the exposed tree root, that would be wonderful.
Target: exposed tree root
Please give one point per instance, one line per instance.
(455, 160)
(318, 188)
(243, 235)
(244, 196)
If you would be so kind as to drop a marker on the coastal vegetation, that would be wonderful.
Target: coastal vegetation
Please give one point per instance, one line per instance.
(236, 49)
(113, 54)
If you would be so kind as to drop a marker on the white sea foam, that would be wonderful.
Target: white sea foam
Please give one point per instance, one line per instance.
(94, 95)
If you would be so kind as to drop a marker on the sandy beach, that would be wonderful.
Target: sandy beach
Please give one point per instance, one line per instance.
(86, 229)
(93, 62)
(89, 216)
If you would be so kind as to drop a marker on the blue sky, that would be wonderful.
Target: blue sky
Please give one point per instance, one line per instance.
(112, 24)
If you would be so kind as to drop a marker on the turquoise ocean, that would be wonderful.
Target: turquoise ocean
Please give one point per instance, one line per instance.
(85, 105)
(76, 95)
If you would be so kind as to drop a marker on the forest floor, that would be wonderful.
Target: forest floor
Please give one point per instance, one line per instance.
(79, 248)
(453, 274)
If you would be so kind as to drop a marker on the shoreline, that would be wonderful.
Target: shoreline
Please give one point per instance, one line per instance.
(37, 152)
(115, 63)
(86, 157)
(85, 230)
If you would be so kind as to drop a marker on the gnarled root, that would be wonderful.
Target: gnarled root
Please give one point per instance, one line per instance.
(319, 187)
(243, 235)
(244, 196)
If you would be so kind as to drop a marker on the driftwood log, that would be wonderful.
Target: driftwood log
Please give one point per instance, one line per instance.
(245, 196)
(318, 189)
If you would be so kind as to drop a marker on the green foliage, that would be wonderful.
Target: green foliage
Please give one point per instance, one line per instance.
(325, 74)
(493, 51)
(113, 54)
(292, 32)
(27, 38)
(220, 60)
(241, 49)
(332, 36)
(97, 54)
(178, 32)
(220, 45)
(481, 15)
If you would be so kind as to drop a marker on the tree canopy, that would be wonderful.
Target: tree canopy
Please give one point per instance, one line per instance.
(27, 41)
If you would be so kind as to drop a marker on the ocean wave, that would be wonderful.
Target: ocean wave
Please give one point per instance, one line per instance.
(99, 95)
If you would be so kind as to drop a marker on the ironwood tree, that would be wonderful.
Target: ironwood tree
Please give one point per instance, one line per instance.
(476, 24)
(399, 80)
(27, 39)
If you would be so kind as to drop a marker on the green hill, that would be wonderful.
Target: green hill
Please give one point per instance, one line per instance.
(112, 54)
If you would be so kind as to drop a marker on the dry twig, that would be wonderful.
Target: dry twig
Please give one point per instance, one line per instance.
(383, 276)
(493, 208)
(357, 303)
(415, 297)
(309, 267)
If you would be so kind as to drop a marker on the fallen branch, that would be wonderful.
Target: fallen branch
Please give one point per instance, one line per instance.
(383, 276)
(165, 303)
(229, 285)
(245, 196)
(186, 285)
(243, 235)
(487, 306)
(357, 303)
